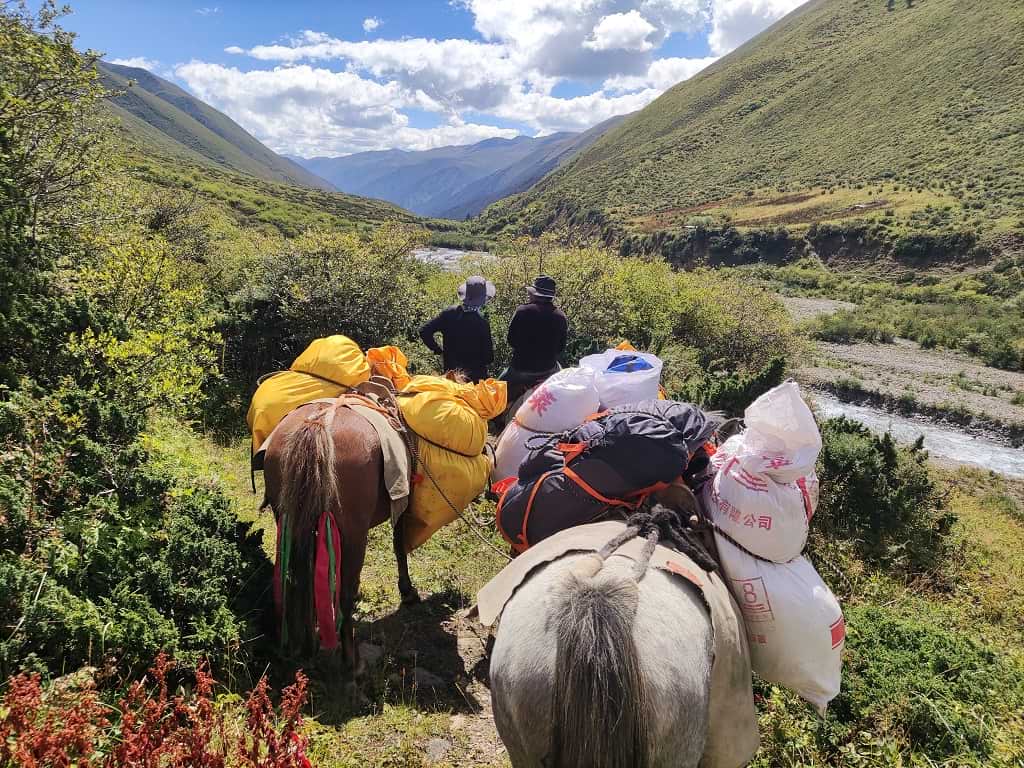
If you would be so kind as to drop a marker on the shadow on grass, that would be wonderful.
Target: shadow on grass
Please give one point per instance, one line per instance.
(415, 659)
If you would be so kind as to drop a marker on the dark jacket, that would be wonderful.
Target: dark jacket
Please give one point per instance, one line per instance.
(537, 335)
(466, 339)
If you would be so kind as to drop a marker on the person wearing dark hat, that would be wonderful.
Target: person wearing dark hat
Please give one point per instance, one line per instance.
(466, 343)
(537, 335)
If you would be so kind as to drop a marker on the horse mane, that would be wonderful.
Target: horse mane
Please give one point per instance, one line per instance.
(599, 688)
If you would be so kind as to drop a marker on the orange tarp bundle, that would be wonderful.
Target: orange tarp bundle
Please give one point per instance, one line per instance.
(391, 363)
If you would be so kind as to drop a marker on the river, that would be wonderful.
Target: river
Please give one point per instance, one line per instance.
(446, 258)
(940, 440)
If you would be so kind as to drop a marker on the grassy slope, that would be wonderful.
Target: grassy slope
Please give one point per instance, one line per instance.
(183, 125)
(400, 720)
(255, 201)
(837, 93)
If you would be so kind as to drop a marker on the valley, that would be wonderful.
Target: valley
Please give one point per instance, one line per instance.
(836, 198)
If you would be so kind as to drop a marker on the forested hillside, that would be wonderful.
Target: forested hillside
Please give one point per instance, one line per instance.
(901, 115)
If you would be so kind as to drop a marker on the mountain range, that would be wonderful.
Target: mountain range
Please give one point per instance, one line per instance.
(169, 119)
(896, 108)
(454, 182)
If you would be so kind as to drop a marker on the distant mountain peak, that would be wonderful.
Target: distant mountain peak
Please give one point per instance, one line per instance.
(454, 181)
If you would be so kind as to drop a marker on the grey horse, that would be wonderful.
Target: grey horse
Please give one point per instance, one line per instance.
(601, 663)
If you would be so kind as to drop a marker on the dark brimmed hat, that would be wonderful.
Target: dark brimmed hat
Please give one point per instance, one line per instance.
(543, 288)
(476, 291)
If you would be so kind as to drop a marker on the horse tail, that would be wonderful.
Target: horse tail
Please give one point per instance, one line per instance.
(600, 703)
(309, 544)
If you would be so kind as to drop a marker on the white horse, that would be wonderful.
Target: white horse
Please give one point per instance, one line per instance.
(601, 661)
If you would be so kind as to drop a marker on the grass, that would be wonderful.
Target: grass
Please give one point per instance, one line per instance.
(974, 612)
(840, 95)
(797, 211)
(256, 202)
(977, 313)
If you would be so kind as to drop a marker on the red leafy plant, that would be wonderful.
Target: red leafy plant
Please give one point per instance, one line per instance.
(149, 728)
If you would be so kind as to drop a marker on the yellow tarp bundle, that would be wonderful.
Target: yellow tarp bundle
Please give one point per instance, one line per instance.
(326, 368)
(462, 478)
(335, 358)
(454, 418)
(450, 414)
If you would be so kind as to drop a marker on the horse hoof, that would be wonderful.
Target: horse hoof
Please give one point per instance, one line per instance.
(411, 597)
(355, 695)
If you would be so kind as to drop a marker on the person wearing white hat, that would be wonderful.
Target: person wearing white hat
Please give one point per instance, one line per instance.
(466, 343)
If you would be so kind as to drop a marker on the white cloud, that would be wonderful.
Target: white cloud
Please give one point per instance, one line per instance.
(208, 11)
(312, 111)
(321, 94)
(627, 31)
(736, 21)
(138, 61)
(661, 75)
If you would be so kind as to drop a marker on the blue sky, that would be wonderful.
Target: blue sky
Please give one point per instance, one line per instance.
(329, 78)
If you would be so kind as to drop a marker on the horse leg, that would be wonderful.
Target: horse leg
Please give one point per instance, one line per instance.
(353, 554)
(405, 588)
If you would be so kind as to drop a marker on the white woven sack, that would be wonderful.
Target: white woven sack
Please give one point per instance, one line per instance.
(510, 452)
(562, 402)
(794, 623)
(617, 389)
(782, 438)
(766, 517)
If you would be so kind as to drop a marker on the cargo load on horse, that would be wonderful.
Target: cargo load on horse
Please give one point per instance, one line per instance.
(561, 403)
(333, 432)
(761, 501)
(327, 368)
(450, 421)
(612, 462)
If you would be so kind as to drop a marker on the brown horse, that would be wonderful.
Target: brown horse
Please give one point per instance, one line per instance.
(328, 459)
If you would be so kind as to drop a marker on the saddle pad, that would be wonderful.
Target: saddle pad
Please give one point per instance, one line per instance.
(732, 738)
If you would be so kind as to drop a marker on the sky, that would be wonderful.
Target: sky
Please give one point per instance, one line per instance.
(335, 77)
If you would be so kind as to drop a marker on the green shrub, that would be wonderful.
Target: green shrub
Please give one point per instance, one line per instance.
(915, 692)
(846, 326)
(880, 497)
(106, 560)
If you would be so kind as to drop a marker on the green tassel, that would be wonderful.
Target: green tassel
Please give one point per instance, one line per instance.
(329, 528)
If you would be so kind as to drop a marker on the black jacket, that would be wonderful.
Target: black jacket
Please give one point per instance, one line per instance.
(537, 335)
(466, 339)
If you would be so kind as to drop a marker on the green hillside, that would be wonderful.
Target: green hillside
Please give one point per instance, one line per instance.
(164, 115)
(173, 148)
(252, 201)
(907, 114)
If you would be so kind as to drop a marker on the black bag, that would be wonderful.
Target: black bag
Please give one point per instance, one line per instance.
(608, 465)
